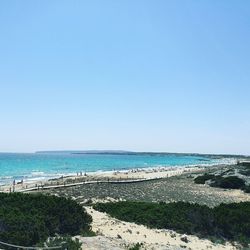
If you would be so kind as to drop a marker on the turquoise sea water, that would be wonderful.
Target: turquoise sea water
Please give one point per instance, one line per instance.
(47, 165)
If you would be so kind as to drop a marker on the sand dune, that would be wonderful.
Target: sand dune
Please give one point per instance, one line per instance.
(122, 234)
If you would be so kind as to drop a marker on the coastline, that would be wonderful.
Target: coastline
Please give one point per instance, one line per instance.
(124, 176)
(146, 184)
(115, 176)
(43, 167)
(118, 234)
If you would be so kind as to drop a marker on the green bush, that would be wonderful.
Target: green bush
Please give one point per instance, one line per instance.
(203, 178)
(227, 221)
(185, 217)
(245, 164)
(245, 172)
(88, 234)
(247, 189)
(66, 242)
(232, 182)
(233, 221)
(137, 246)
(26, 219)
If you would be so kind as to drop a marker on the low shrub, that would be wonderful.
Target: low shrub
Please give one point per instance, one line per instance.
(229, 182)
(245, 172)
(26, 219)
(65, 242)
(227, 221)
(137, 246)
(245, 164)
(232, 182)
(247, 189)
(203, 178)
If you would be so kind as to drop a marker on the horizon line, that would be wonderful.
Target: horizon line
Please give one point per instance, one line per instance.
(93, 151)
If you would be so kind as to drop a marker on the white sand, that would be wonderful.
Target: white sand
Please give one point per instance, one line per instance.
(134, 174)
(132, 233)
(162, 172)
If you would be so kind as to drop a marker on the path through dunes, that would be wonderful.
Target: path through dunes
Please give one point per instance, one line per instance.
(123, 234)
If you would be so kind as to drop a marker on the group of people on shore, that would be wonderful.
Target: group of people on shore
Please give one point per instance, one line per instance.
(80, 173)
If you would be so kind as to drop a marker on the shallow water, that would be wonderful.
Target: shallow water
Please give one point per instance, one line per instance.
(46, 165)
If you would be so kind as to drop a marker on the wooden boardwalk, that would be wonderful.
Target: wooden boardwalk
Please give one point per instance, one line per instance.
(43, 187)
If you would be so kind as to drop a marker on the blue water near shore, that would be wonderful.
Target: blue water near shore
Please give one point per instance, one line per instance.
(47, 165)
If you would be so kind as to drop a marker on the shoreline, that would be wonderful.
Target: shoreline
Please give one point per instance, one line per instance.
(168, 187)
(42, 175)
(119, 234)
(148, 185)
(115, 176)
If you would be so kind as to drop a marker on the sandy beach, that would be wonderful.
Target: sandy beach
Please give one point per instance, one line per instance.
(168, 186)
(132, 175)
(152, 185)
(81, 178)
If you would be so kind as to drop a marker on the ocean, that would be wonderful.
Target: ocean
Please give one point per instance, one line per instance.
(41, 166)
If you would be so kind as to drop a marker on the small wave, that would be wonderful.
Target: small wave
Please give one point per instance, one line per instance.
(38, 173)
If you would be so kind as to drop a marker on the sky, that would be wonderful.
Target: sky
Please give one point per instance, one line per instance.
(170, 76)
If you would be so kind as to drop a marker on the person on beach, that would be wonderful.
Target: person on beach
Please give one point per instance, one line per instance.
(14, 183)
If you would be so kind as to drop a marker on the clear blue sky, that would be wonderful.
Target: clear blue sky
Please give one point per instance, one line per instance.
(138, 75)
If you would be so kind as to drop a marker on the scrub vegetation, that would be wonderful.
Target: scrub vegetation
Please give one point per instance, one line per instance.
(237, 177)
(226, 221)
(29, 219)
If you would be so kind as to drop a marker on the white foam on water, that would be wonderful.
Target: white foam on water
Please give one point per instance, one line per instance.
(37, 176)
